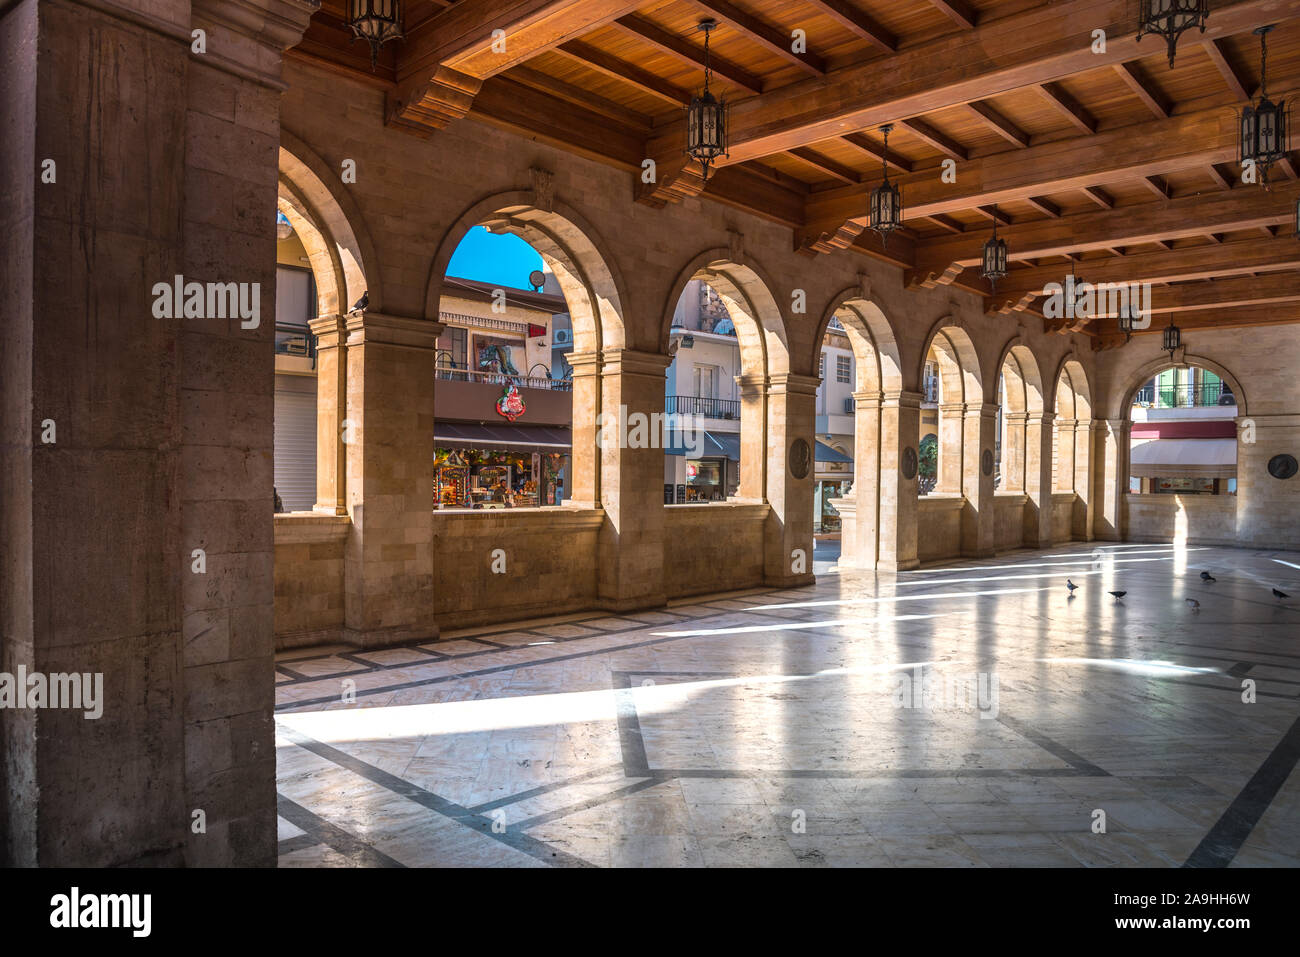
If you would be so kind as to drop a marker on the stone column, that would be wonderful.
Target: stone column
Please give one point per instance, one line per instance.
(1081, 526)
(978, 521)
(136, 531)
(1111, 477)
(631, 483)
(753, 437)
(791, 444)
(951, 448)
(1268, 508)
(860, 514)
(388, 557)
(1063, 450)
(331, 400)
(1038, 479)
(900, 415)
(1013, 451)
(584, 464)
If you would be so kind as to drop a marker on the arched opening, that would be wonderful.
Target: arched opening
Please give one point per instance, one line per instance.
(321, 257)
(874, 406)
(1072, 452)
(954, 385)
(1177, 457)
(1183, 435)
(518, 397)
(724, 335)
(1021, 391)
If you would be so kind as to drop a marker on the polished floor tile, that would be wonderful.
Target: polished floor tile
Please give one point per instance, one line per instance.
(964, 715)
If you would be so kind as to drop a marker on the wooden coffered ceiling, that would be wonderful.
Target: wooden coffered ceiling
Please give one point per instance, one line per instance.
(1112, 162)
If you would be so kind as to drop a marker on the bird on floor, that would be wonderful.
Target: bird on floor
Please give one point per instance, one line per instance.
(362, 302)
(1279, 595)
(1195, 605)
(1207, 577)
(1118, 594)
(1070, 585)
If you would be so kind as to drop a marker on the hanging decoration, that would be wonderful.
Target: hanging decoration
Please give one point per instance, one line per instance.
(887, 198)
(706, 116)
(1170, 19)
(993, 266)
(376, 22)
(1263, 131)
(1173, 339)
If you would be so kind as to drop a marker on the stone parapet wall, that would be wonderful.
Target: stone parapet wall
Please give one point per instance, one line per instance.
(714, 547)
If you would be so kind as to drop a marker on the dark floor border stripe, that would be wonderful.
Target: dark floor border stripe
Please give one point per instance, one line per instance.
(1074, 760)
(511, 837)
(548, 816)
(322, 831)
(291, 844)
(543, 789)
(1224, 840)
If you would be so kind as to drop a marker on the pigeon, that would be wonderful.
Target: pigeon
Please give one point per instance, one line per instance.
(1118, 594)
(1070, 585)
(1207, 577)
(1196, 605)
(1279, 595)
(362, 302)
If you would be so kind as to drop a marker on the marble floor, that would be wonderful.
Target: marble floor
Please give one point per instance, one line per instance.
(967, 715)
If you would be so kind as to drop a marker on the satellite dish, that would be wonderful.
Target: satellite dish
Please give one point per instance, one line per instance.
(537, 279)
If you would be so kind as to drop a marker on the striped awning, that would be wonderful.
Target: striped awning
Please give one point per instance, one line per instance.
(1184, 458)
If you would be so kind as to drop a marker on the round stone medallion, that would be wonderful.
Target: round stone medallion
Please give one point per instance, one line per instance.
(986, 462)
(909, 463)
(800, 458)
(1282, 466)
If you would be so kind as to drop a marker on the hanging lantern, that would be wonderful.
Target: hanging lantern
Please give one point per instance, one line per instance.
(1173, 338)
(1264, 133)
(706, 116)
(994, 264)
(376, 22)
(887, 198)
(1169, 18)
(1126, 322)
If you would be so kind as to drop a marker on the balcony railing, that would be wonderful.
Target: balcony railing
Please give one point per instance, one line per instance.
(1184, 396)
(704, 407)
(459, 372)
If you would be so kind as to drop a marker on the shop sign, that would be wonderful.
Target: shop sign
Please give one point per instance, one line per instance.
(511, 404)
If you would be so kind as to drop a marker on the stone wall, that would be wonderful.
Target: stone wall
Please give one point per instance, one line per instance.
(309, 579)
(938, 527)
(1009, 520)
(1193, 519)
(713, 548)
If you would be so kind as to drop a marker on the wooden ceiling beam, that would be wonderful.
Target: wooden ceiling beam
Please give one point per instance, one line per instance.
(1046, 207)
(686, 52)
(947, 223)
(826, 165)
(1236, 86)
(1129, 226)
(857, 22)
(999, 124)
(1156, 185)
(1033, 47)
(596, 59)
(577, 96)
(1099, 196)
(446, 57)
(1219, 179)
(774, 40)
(1148, 148)
(936, 138)
(959, 11)
(1144, 87)
(862, 143)
(1068, 107)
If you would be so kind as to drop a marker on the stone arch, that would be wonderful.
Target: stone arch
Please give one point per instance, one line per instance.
(1072, 443)
(1023, 398)
(331, 227)
(875, 347)
(1149, 370)
(592, 286)
(879, 374)
(961, 387)
(764, 350)
(748, 296)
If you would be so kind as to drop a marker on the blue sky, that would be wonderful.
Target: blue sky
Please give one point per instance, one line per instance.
(488, 257)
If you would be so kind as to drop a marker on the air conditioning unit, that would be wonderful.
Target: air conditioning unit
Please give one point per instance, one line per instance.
(561, 337)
